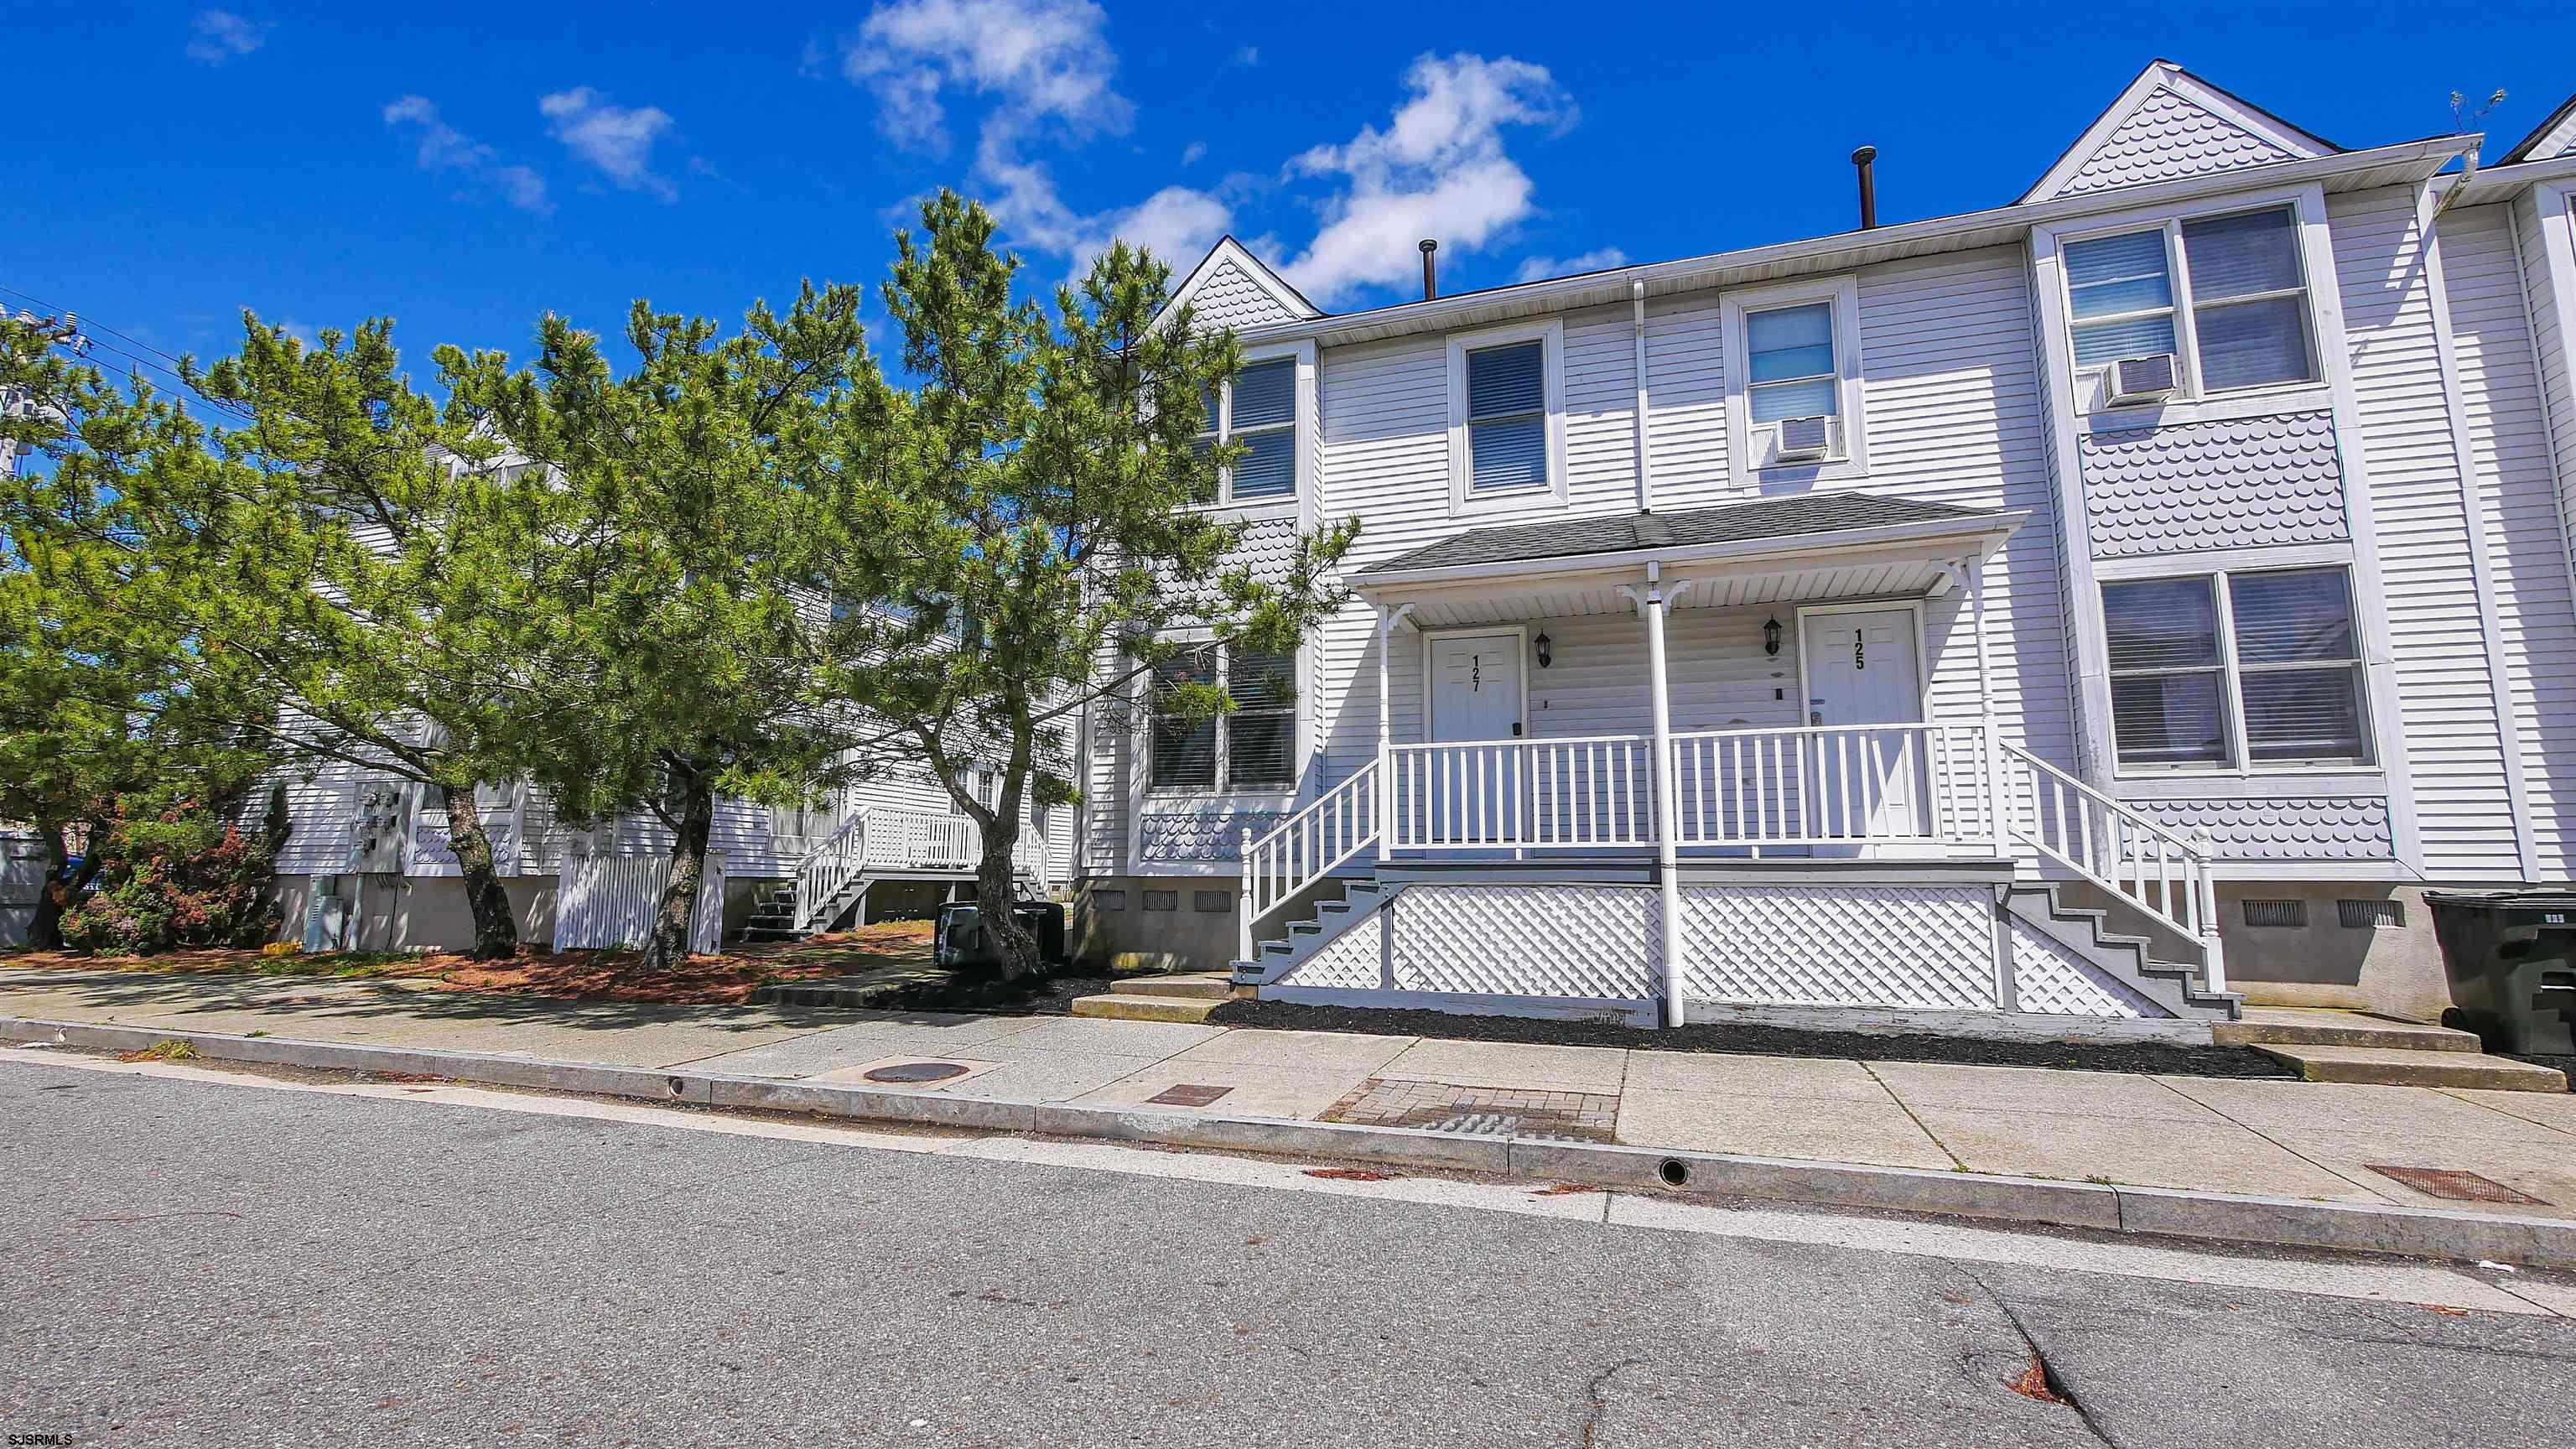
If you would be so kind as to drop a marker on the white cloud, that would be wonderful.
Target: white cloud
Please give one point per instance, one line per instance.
(1439, 169)
(616, 139)
(1191, 153)
(1040, 60)
(442, 147)
(1177, 224)
(1249, 55)
(1536, 269)
(216, 36)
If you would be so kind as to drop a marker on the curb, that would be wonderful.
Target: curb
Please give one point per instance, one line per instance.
(2163, 1212)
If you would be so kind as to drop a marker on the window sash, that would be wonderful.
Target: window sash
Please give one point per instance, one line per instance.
(2282, 684)
(2115, 334)
(1815, 391)
(1270, 471)
(1253, 747)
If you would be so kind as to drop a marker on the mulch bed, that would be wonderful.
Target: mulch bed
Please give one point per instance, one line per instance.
(1775, 1041)
(560, 975)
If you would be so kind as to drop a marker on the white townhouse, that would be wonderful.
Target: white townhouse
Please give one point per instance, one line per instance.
(2085, 614)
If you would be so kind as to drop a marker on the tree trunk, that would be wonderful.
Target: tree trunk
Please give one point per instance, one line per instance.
(996, 892)
(53, 896)
(670, 939)
(496, 935)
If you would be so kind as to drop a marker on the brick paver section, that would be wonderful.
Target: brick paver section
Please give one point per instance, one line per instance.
(1480, 1111)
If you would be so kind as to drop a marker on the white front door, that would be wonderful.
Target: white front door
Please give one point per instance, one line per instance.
(1862, 669)
(1475, 695)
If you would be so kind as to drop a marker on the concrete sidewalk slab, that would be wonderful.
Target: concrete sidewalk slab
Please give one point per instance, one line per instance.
(1723, 1074)
(1509, 1065)
(2555, 1112)
(1323, 1052)
(1250, 1091)
(2037, 1089)
(2274, 1105)
(1156, 1039)
(1824, 1129)
(1049, 1076)
(2542, 1169)
(2215, 1155)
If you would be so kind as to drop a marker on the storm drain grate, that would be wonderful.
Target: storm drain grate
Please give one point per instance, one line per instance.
(1481, 1111)
(2458, 1186)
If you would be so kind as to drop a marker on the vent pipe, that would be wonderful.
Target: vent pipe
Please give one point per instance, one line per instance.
(1430, 280)
(1865, 159)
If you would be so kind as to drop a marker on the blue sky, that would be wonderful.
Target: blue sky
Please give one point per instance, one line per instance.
(465, 168)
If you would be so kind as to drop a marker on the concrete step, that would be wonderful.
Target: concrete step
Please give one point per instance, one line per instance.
(1193, 985)
(2403, 1067)
(2323, 1026)
(1145, 1008)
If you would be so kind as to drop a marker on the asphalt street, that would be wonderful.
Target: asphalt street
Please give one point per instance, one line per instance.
(196, 1262)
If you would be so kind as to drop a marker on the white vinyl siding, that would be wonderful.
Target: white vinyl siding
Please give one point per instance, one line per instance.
(2509, 440)
(2445, 701)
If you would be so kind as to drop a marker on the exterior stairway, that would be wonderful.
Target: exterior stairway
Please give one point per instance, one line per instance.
(2327, 1045)
(2083, 931)
(1277, 956)
(1187, 997)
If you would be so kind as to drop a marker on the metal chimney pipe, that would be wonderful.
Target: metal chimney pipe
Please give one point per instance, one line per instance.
(1430, 280)
(1864, 159)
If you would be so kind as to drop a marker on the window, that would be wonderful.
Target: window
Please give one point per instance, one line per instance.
(1253, 747)
(2121, 298)
(1507, 417)
(2249, 305)
(1259, 410)
(2166, 683)
(2280, 683)
(2239, 305)
(1789, 359)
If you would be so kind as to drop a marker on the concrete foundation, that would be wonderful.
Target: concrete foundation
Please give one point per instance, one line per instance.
(1143, 922)
(2388, 962)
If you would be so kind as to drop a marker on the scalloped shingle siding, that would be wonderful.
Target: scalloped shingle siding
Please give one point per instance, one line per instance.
(2241, 483)
(2167, 137)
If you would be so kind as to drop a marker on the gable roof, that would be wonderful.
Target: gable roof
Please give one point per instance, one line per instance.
(1790, 517)
(2553, 137)
(1230, 287)
(2170, 123)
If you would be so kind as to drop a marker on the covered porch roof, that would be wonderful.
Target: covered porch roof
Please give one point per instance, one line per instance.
(1774, 550)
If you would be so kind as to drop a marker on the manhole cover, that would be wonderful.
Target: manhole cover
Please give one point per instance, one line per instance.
(917, 1072)
(1188, 1094)
(2455, 1184)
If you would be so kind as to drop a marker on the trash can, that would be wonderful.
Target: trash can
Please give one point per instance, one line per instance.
(2511, 959)
(958, 938)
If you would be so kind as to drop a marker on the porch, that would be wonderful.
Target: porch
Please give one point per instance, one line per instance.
(1769, 728)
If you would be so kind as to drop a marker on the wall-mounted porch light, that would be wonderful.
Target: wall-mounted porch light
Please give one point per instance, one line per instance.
(1543, 645)
(1771, 635)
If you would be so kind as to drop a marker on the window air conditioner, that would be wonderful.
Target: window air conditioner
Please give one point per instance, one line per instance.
(1804, 439)
(2143, 379)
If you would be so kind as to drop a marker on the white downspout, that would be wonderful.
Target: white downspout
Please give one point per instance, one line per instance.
(1645, 470)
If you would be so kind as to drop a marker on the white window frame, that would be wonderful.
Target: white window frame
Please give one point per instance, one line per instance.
(1297, 502)
(2231, 674)
(2092, 395)
(1745, 440)
(1217, 788)
(1550, 332)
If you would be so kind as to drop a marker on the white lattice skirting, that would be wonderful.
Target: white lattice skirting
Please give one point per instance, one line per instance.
(1841, 945)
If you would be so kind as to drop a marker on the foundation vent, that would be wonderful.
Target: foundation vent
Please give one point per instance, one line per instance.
(2371, 915)
(2276, 913)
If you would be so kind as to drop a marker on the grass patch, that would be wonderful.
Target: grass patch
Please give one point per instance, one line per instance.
(168, 1049)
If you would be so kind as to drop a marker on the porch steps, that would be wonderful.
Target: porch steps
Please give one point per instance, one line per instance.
(2084, 930)
(1185, 998)
(773, 913)
(1275, 957)
(2410, 1067)
(2327, 1045)
(2321, 1026)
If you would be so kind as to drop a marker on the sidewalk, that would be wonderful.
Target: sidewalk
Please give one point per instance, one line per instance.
(2289, 1139)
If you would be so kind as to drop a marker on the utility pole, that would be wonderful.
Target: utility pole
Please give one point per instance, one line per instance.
(61, 331)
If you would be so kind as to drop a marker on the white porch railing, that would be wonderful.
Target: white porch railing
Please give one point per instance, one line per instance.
(884, 838)
(1833, 785)
(2112, 844)
(1581, 793)
(1304, 847)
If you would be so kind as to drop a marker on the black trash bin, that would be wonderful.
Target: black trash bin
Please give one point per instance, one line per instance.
(2511, 957)
(958, 938)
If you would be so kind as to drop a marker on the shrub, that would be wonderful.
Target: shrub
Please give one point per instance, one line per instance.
(180, 877)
